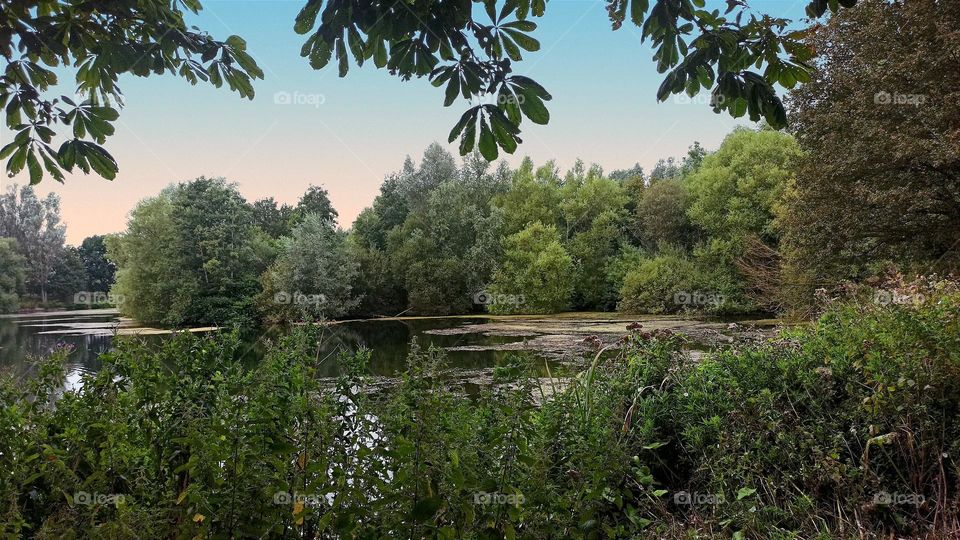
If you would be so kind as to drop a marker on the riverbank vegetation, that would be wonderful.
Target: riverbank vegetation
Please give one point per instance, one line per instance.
(846, 428)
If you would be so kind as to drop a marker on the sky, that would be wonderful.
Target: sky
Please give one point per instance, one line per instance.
(311, 127)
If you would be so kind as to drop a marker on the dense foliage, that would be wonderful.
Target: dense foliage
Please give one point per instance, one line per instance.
(846, 428)
(13, 272)
(312, 275)
(448, 238)
(893, 192)
(192, 254)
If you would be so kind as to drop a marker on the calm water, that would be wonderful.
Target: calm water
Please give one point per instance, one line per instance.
(25, 337)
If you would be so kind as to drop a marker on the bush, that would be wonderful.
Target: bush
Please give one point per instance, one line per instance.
(654, 285)
(846, 428)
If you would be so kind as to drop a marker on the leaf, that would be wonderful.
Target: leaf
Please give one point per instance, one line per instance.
(342, 57)
(745, 492)
(468, 138)
(523, 40)
(425, 509)
(467, 117)
(533, 108)
(33, 164)
(307, 16)
(198, 518)
(236, 42)
(638, 8)
(453, 88)
(533, 85)
(488, 144)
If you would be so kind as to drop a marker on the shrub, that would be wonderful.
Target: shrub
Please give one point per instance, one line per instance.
(846, 428)
(654, 285)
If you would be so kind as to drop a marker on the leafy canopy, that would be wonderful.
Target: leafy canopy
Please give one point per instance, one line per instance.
(102, 40)
(737, 55)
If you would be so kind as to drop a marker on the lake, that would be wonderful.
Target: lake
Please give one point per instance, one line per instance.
(474, 344)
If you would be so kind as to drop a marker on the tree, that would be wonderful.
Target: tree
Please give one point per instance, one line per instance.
(436, 167)
(740, 189)
(893, 191)
(273, 219)
(189, 256)
(533, 195)
(535, 275)
(103, 40)
(36, 227)
(446, 250)
(593, 251)
(312, 276)
(622, 175)
(659, 284)
(13, 271)
(586, 197)
(738, 197)
(315, 201)
(69, 276)
(661, 217)
(472, 52)
(101, 272)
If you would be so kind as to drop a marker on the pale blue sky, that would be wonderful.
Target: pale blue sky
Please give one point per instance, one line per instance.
(348, 133)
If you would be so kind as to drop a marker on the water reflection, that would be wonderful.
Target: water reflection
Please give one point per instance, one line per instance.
(27, 337)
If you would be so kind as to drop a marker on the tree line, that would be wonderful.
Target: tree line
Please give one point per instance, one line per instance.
(37, 268)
